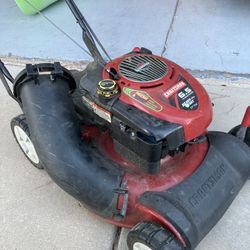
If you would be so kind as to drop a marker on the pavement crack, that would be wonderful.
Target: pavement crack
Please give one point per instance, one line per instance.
(220, 56)
(232, 108)
(206, 43)
(116, 238)
(170, 29)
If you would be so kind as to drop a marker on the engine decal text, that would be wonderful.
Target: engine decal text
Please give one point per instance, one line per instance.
(104, 114)
(207, 186)
(174, 89)
(143, 98)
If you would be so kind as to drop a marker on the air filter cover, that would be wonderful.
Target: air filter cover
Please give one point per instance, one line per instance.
(143, 68)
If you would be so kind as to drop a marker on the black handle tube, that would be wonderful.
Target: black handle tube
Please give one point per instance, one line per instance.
(4, 73)
(78, 15)
(88, 33)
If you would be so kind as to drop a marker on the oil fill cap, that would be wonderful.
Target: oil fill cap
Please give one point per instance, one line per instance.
(107, 88)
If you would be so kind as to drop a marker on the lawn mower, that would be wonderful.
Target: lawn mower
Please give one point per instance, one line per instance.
(128, 138)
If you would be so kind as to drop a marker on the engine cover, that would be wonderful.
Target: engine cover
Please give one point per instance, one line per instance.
(150, 105)
(164, 90)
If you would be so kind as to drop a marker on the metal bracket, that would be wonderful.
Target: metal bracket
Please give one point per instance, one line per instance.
(123, 191)
(34, 71)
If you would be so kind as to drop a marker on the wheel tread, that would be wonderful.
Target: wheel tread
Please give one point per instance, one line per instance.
(154, 236)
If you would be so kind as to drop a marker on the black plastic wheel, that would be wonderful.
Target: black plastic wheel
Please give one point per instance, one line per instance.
(235, 130)
(21, 133)
(150, 236)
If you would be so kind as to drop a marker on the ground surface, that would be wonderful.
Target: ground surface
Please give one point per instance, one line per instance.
(201, 35)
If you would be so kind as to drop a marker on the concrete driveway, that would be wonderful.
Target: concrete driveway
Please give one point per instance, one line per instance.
(202, 35)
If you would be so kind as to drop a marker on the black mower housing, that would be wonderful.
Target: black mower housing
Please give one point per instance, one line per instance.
(197, 204)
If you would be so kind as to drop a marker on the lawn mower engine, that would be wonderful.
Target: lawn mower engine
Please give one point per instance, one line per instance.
(151, 106)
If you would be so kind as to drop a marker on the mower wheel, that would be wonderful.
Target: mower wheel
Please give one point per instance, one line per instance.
(150, 236)
(235, 130)
(21, 133)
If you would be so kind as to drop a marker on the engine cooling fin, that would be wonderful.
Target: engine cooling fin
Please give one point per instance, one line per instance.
(143, 68)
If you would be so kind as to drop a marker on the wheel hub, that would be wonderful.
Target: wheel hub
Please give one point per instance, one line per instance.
(26, 144)
(140, 246)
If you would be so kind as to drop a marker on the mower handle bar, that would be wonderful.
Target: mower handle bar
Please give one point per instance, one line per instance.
(5, 71)
(89, 37)
(5, 74)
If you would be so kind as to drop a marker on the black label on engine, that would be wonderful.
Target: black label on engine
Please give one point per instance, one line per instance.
(187, 98)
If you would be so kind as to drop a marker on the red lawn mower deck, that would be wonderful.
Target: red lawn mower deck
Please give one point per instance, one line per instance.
(128, 138)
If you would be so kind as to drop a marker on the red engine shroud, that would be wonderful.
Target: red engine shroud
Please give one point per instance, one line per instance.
(156, 94)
